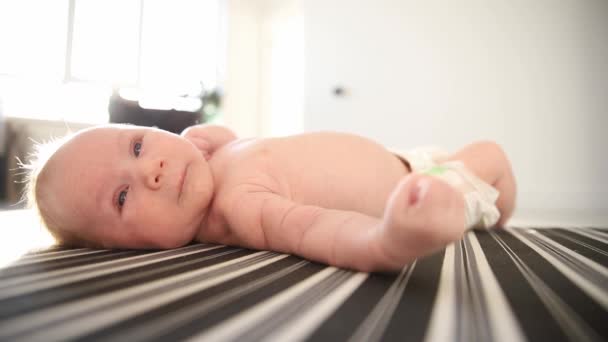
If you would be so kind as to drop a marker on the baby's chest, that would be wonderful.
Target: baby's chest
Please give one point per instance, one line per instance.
(329, 181)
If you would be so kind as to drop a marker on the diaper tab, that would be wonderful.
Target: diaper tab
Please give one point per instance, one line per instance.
(480, 197)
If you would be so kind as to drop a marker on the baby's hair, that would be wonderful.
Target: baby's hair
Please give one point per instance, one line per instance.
(33, 171)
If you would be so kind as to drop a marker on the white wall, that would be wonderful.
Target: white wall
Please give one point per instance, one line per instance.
(282, 67)
(531, 75)
(265, 67)
(242, 77)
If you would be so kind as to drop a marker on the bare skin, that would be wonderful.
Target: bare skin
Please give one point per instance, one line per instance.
(335, 198)
(324, 196)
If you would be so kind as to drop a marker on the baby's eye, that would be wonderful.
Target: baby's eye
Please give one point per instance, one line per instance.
(137, 148)
(122, 197)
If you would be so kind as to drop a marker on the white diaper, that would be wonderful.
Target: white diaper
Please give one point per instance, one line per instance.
(480, 197)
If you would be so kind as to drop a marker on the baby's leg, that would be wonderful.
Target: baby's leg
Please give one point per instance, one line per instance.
(422, 215)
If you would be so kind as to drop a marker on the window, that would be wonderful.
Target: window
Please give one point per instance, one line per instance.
(105, 41)
(32, 38)
(60, 59)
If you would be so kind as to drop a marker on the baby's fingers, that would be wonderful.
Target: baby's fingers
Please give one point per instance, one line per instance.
(200, 143)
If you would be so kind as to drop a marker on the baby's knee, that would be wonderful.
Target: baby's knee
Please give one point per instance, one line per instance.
(489, 147)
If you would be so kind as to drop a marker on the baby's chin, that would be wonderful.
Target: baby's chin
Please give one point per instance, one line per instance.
(166, 244)
(173, 242)
(156, 241)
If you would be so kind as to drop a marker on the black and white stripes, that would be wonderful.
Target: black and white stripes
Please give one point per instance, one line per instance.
(507, 285)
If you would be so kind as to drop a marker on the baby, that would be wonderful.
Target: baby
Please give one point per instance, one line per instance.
(330, 197)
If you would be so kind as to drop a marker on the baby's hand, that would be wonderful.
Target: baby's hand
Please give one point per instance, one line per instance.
(208, 138)
(422, 215)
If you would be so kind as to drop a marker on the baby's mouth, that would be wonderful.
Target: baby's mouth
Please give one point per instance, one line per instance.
(182, 180)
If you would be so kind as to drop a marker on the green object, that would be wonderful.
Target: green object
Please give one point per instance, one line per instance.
(436, 170)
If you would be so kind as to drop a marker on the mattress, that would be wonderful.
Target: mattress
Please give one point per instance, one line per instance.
(502, 285)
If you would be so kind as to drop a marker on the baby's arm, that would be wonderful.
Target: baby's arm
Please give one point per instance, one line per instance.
(490, 163)
(340, 238)
(208, 138)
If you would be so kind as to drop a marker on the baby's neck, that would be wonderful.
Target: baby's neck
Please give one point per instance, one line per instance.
(213, 227)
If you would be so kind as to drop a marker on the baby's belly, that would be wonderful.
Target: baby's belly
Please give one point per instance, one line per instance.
(360, 181)
(364, 194)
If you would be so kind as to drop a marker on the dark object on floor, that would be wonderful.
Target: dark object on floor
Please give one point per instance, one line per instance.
(125, 111)
(535, 284)
(3, 175)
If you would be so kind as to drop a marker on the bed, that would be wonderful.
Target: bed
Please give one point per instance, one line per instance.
(501, 285)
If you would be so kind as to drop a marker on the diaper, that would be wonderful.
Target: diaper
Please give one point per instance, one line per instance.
(479, 196)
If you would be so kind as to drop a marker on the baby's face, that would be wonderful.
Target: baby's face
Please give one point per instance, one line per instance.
(130, 187)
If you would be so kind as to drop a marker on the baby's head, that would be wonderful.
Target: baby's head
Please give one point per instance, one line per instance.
(123, 186)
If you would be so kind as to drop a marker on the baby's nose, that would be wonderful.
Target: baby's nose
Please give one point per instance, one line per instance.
(153, 175)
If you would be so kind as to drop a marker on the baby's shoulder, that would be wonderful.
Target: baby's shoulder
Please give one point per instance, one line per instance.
(248, 166)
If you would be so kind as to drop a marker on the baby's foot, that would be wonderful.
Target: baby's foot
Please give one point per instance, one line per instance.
(422, 215)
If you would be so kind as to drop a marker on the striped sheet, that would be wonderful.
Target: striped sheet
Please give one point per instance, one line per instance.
(507, 285)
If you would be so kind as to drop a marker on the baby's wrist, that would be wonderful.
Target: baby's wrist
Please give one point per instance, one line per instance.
(381, 250)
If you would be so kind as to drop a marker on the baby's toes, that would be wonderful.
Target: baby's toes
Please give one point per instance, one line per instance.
(424, 213)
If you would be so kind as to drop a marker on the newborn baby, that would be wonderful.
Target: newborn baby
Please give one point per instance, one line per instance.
(330, 197)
